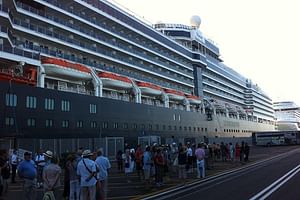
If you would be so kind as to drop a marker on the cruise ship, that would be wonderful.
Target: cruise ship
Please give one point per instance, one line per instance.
(287, 115)
(87, 73)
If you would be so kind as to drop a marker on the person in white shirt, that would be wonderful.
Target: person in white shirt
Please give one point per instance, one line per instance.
(14, 161)
(189, 154)
(87, 171)
(40, 163)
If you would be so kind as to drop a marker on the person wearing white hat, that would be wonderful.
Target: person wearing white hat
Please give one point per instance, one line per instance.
(48, 154)
(87, 171)
(51, 174)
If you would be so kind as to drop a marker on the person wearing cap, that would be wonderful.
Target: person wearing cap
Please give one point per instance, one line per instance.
(27, 172)
(51, 174)
(87, 171)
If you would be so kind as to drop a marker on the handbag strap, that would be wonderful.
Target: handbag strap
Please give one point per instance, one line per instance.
(89, 169)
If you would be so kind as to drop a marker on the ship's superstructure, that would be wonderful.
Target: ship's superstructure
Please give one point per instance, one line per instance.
(228, 90)
(170, 76)
(287, 115)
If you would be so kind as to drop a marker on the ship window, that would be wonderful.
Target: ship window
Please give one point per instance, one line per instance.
(125, 126)
(216, 130)
(180, 128)
(65, 124)
(202, 129)
(198, 128)
(190, 128)
(30, 102)
(11, 100)
(185, 128)
(93, 108)
(150, 126)
(79, 124)
(49, 104)
(9, 121)
(135, 126)
(65, 105)
(116, 125)
(30, 122)
(143, 126)
(179, 117)
(105, 125)
(170, 127)
(175, 128)
(49, 123)
(157, 126)
(164, 127)
(205, 129)
(93, 124)
(194, 128)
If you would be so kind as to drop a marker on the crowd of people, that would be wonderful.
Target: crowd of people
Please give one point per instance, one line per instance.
(86, 172)
(159, 161)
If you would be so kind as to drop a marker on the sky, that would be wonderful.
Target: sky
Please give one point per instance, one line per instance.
(260, 39)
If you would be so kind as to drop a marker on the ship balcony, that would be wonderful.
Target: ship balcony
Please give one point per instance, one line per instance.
(222, 88)
(97, 51)
(222, 96)
(100, 25)
(111, 94)
(99, 37)
(19, 52)
(219, 69)
(219, 81)
(137, 26)
(148, 101)
(67, 87)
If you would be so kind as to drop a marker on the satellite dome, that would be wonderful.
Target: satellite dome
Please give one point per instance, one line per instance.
(195, 21)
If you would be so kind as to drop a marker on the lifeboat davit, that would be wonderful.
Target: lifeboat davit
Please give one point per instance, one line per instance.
(193, 99)
(149, 88)
(114, 81)
(174, 94)
(61, 68)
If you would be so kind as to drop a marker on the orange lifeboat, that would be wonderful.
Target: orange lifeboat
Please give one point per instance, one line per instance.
(149, 88)
(114, 81)
(193, 99)
(61, 68)
(174, 94)
(28, 77)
